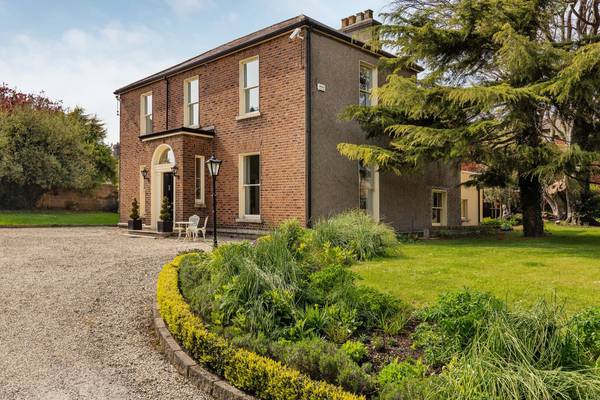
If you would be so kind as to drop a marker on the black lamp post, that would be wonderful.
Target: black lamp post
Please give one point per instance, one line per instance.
(213, 169)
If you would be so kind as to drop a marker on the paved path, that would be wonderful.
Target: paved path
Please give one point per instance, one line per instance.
(75, 316)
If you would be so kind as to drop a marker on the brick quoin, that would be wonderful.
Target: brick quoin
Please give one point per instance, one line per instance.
(278, 135)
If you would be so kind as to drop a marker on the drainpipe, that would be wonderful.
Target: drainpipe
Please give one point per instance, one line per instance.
(308, 133)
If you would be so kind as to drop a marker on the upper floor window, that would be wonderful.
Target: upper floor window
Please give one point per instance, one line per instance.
(146, 113)
(191, 113)
(249, 93)
(367, 81)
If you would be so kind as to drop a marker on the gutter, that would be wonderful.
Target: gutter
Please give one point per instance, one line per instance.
(308, 127)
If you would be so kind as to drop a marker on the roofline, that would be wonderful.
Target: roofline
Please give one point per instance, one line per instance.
(302, 22)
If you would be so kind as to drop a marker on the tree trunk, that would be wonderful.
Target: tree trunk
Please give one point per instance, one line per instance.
(531, 202)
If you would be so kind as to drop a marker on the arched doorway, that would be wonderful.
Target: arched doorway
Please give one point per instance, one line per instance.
(163, 181)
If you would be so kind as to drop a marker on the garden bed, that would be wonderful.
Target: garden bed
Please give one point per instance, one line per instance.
(284, 318)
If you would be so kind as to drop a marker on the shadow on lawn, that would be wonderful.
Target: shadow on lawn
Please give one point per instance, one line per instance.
(583, 242)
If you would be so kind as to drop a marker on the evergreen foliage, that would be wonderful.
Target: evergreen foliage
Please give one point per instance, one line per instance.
(494, 76)
(135, 210)
(165, 209)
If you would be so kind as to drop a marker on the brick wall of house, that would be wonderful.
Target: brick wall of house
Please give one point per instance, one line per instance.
(278, 135)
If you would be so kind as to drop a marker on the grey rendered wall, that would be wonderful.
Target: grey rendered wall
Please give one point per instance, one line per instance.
(404, 201)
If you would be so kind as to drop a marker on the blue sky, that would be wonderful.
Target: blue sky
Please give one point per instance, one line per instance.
(80, 51)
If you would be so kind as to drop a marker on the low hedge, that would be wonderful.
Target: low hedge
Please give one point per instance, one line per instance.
(265, 378)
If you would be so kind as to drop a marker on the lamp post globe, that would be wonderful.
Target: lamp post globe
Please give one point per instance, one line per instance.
(214, 166)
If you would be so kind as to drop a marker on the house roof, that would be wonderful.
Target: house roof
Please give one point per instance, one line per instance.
(247, 41)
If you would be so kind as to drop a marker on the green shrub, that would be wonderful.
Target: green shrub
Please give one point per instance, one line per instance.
(356, 231)
(491, 222)
(323, 360)
(165, 209)
(452, 322)
(397, 372)
(135, 210)
(357, 351)
(586, 329)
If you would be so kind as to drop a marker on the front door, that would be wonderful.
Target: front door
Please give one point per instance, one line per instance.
(168, 190)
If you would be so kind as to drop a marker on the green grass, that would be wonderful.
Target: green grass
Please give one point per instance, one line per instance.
(565, 264)
(24, 218)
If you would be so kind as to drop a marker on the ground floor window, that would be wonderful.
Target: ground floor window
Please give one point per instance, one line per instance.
(464, 209)
(199, 181)
(368, 190)
(250, 186)
(438, 207)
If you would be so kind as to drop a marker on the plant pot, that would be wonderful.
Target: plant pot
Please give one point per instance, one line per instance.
(134, 224)
(164, 226)
(501, 234)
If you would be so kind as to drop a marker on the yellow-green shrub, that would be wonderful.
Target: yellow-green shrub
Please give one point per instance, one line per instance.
(265, 378)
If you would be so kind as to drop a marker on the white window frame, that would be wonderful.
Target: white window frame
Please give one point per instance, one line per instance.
(144, 115)
(243, 217)
(443, 208)
(201, 201)
(374, 213)
(374, 83)
(242, 85)
(187, 105)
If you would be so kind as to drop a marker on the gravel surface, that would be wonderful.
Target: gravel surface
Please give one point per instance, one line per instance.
(75, 316)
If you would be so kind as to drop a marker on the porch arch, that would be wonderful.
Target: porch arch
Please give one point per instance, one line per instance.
(163, 161)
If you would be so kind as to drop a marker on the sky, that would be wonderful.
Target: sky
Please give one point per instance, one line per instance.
(81, 51)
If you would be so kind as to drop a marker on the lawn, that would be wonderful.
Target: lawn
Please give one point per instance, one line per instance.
(57, 218)
(565, 264)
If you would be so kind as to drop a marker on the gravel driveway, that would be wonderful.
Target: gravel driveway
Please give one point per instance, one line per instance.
(75, 316)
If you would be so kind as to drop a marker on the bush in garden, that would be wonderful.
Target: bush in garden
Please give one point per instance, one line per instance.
(321, 359)
(397, 372)
(491, 222)
(356, 231)
(357, 351)
(585, 327)
(452, 322)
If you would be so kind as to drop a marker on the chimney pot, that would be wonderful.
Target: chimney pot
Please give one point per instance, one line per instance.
(352, 20)
(344, 22)
(369, 14)
(360, 16)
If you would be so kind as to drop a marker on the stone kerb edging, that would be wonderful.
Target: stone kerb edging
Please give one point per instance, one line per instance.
(206, 381)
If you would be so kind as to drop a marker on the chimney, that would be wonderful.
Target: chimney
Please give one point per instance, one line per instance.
(360, 26)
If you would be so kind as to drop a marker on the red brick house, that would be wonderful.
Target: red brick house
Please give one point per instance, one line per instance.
(267, 104)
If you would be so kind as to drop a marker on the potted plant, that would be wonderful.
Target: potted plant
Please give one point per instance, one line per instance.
(166, 222)
(135, 223)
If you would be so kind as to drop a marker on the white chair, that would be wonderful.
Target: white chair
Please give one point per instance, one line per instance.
(193, 228)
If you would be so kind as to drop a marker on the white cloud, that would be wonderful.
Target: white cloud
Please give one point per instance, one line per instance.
(83, 68)
(187, 7)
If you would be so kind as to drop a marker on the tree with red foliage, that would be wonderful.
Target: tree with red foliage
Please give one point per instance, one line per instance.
(11, 98)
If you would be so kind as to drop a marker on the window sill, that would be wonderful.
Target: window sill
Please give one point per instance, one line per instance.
(200, 205)
(253, 114)
(249, 220)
